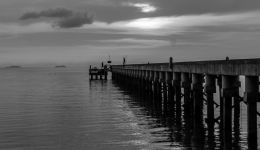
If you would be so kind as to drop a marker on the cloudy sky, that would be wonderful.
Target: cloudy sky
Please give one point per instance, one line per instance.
(72, 31)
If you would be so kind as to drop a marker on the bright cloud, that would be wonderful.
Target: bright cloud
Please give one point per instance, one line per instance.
(178, 24)
(136, 43)
(144, 7)
(167, 25)
(149, 23)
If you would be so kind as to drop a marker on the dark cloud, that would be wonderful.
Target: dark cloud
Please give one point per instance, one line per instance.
(76, 20)
(52, 13)
(67, 18)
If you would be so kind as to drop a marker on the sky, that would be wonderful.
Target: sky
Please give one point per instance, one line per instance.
(89, 31)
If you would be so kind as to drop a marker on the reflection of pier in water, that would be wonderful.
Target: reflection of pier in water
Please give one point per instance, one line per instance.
(178, 92)
(181, 131)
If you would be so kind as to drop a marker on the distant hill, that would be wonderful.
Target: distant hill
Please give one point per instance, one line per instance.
(61, 66)
(13, 67)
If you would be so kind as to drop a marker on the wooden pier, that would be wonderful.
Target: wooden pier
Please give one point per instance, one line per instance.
(98, 73)
(196, 83)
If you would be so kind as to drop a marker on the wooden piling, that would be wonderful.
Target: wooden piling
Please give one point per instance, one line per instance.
(177, 93)
(186, 84)
(229, 84)
(210, 89)
(251, 97)
(197, 91)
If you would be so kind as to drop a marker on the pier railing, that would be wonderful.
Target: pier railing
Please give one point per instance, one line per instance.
(250, 67)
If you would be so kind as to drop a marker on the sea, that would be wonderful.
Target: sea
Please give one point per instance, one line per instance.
(48, 108)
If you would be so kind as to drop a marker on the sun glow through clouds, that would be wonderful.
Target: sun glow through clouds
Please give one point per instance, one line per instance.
(144, 7)
(149, 23)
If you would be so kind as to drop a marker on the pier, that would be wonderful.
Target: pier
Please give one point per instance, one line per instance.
(98, 73)
(186, 86)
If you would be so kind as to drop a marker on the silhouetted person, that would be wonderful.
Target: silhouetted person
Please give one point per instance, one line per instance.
(227, 58)
(124, 61)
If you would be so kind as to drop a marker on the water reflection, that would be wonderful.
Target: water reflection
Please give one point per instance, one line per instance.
(170, 128)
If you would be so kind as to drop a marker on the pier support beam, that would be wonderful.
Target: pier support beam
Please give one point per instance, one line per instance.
(157, 90)
(236, 114)
(176, 81)
(170, 91)
(229, 85)
(105, 76)
(156, 83)
(146, 80)
(186, 84)
(197, 90)
(162, 81)
(143, 83)
(197, 115)
(150, 82)
(153, 80)
(210, 89)
(163, 89)
(219, 81)
(251, 97)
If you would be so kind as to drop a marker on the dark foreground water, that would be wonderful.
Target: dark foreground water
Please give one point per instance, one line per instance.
(60, 109)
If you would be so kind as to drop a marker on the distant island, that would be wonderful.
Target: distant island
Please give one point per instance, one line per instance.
(13, 67)
(61, 66)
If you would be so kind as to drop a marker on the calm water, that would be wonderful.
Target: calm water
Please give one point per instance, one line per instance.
(59, 109)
